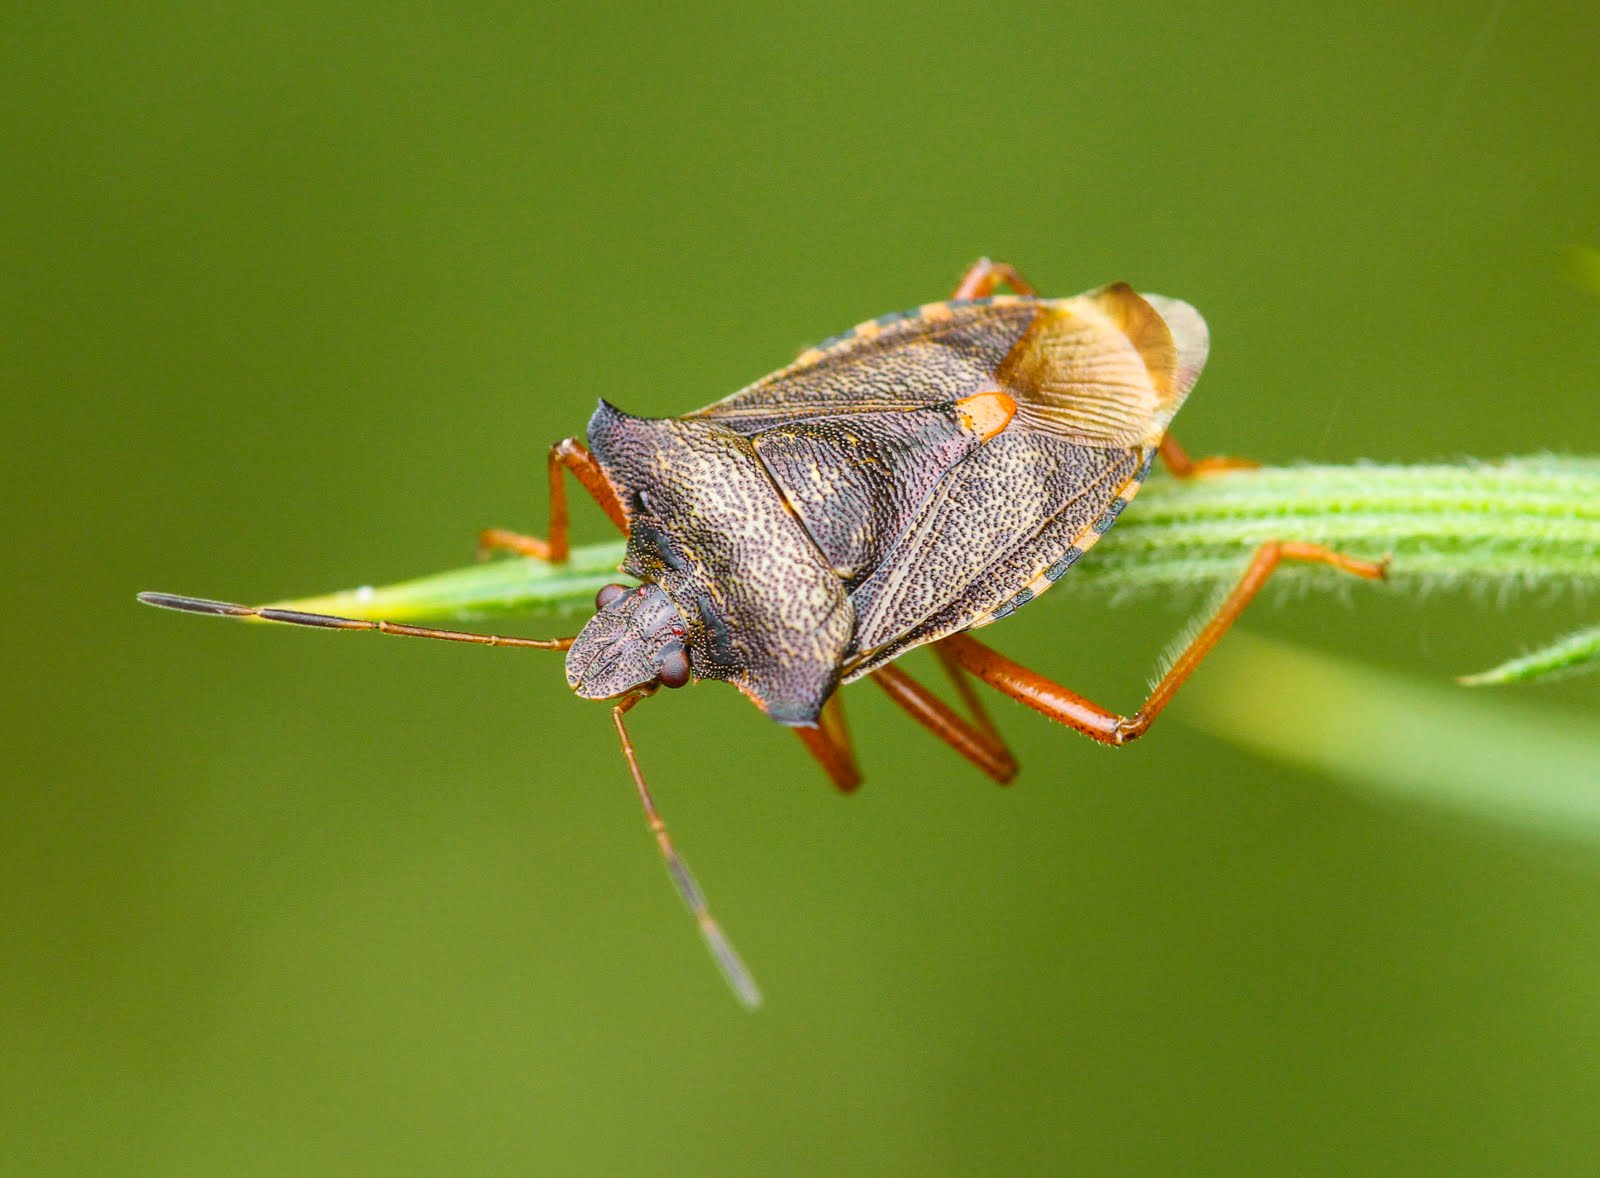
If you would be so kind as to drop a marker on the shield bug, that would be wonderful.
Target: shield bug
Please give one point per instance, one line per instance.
(902, 484)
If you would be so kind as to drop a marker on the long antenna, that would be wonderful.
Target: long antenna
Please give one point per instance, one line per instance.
(293, 617)
(726, 956)
(722, 951)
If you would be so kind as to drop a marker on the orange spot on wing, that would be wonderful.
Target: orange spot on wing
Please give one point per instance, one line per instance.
(986, 414)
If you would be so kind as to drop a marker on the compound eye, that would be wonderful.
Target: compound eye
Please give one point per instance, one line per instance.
(674, 668)
(608, 594)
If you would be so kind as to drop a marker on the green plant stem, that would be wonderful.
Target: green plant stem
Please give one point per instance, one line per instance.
(1523, 521)
(1519, 522)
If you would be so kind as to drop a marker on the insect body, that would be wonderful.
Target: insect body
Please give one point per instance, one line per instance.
(924, 475)
(903, 484)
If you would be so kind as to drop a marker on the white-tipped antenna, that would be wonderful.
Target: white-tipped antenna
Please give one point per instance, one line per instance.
(733, 968)
(294, 617)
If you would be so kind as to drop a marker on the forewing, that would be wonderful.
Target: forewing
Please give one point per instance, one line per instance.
(1089, 386)
(855, 482)
(1108, 368)
(999, 522)
(938, 353)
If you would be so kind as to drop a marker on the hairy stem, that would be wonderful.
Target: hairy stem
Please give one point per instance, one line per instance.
(1519, 522)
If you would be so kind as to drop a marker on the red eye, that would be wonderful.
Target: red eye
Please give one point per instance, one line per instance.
(674, 668)
(608, 594)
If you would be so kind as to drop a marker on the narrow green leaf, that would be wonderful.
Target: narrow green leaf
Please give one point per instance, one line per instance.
(1420, 743)
(515, 585)
(1576, 654)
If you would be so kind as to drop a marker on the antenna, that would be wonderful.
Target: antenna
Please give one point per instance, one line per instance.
(293, 617)
(733, 968)
(722, 951)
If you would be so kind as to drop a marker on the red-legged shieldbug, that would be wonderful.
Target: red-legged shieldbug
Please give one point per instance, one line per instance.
(902, 484)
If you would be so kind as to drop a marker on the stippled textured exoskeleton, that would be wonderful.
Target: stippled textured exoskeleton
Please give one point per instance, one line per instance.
(924, 474)
(902, 484)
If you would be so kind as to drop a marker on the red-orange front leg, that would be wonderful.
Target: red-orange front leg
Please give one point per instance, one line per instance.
(984, 277)
(1091, 719)
(573, 455)
(829, 743)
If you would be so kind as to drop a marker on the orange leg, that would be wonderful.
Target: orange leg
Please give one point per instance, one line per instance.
(983, 277)
(969, 697)
(572, 455)
(829, 743)
(978, 744)
(1178, 463)
(1091, 719)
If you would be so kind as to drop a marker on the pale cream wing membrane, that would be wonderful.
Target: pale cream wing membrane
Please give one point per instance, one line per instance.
(1191, 339)
(1108, 368)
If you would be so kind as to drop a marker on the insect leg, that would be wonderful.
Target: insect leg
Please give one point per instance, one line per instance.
(722, 951)
(829, 743)
(294, 617)
(572, 455)
(1178, 463)
(969, 697)
(1096, 722)
(982, 748)
(983, 277)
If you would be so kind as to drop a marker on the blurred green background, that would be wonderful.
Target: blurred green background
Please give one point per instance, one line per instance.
(294, 298)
